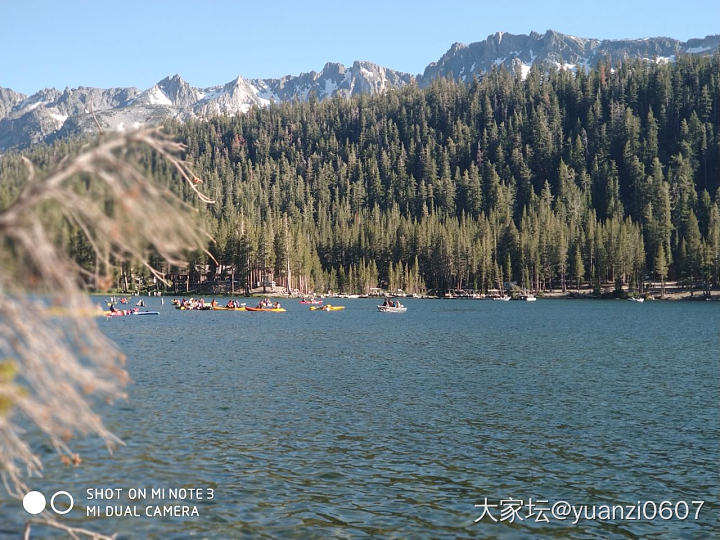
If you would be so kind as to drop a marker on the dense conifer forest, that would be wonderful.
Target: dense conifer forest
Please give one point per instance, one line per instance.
(560, 180)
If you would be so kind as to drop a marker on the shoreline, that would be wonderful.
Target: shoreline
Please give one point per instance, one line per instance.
(652, 296)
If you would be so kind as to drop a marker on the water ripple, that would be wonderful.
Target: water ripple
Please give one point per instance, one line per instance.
(361, 425)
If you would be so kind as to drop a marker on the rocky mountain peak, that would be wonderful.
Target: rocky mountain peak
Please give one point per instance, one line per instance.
(333, 69)
(50, 114)
(171, 91)
(553, 49)
(8, 100)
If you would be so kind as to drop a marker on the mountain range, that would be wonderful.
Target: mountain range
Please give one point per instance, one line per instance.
(51, 114)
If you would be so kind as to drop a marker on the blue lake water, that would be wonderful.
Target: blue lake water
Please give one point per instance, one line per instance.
(361, 424)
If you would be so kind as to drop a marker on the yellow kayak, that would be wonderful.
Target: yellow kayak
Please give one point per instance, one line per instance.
(223, 308)
(327, 308)
(276, 310)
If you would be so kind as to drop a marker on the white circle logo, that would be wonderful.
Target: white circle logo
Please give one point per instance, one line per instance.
(52, 502)
(34, 502)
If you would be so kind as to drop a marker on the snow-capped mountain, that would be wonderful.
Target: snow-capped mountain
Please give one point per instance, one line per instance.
(519, 52)
(51, 114)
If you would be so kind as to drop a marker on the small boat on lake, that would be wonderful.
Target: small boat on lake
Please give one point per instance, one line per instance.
(194, 304)
(392, 306)
(313, 301)
(125, 312)
(636, 299)
(392, 309)
(503, 298)
(266, 305)
(328, 307)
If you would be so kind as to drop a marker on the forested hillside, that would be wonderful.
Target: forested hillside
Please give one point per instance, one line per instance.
(557, 180)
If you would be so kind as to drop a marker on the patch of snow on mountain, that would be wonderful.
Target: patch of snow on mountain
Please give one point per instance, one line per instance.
(156, 97)
(524, 70)
(211, 93)
(32, 106)
(330, 87)
(367, 72)
(696, 50)
(264, 93)
(59, 118)
(563, 66)
(304, 92)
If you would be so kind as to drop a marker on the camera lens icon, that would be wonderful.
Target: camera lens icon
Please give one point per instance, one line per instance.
(66, 510)
(34, 502)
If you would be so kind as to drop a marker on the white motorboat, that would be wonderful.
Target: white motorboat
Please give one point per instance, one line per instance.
(392, 306)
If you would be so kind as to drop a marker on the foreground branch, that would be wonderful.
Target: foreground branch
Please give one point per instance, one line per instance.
(53, 371)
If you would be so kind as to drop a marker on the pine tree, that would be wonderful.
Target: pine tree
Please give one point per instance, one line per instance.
(578, 267)
(661, 268)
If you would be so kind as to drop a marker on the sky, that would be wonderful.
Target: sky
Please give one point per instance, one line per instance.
(70, 43)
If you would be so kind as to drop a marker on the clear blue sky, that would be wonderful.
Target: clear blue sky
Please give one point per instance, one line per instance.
(136, 43)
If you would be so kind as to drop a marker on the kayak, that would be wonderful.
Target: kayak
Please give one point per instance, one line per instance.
(223, 308)
(276, 310)
(204, 308)
(313, 302)
(327, 308)
(124, 312)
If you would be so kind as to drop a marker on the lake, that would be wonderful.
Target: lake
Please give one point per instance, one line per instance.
(363, 424)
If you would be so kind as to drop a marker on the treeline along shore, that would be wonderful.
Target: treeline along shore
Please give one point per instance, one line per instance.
(559, 180)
